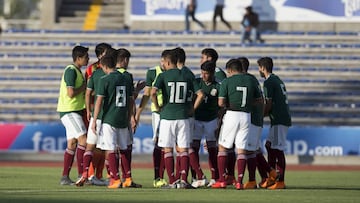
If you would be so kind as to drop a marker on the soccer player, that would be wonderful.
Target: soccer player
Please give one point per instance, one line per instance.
(93, 139)
(206, 119)
(174, 122)
(71, 106)
(277, 108)
(238, 93)
(267, 174)
(210, 54)
(98, 160)
(122, 62)
(113, 97)
(158, 153)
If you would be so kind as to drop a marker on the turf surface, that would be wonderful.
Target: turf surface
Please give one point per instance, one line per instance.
(41, 184)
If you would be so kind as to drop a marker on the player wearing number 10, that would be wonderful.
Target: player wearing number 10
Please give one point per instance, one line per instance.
(277, 108)
(174, 122)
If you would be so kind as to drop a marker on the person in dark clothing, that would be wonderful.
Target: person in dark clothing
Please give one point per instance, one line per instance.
(250, 23)
(219, 12)
(190, 12)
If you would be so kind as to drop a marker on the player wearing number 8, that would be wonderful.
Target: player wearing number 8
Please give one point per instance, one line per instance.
(174, 122)
(277, 108)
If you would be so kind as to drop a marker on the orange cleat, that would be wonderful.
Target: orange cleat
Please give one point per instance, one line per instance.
(250, 185)
(115, 184)
(267, 183)
(239, 186)
(277, 185)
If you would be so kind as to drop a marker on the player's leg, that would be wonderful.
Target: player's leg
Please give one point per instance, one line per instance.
(75, 134)
(167, 142)
(278, 147)
(183, 138)
(109, 141)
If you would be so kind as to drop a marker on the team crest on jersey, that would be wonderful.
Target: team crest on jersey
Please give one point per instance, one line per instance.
(213, 92)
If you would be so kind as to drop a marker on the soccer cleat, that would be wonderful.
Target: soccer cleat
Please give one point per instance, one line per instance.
(277, 185)
(219, 184)
(80, 181)
(267, 183)
(239, 186)
(200, 183)
(159, 182)
(211, 182)
(99, 182)
(130, 183)
(173, 185)
(273, 175)
(184, 185)
(115, 184)
(230, 180)
(250, 185)
(65, 180)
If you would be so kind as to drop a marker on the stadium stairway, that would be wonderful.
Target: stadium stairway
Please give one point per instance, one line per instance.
(321, 70)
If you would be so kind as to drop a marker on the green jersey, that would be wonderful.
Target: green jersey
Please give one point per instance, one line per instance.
(128, 76)
(274, 89)
(220, 75)
(93, 84)
(240, 92)
(257, 112)
(176, 89)
(116, 90)
(208, 109)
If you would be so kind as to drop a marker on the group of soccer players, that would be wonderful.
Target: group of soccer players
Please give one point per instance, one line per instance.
(225, 109)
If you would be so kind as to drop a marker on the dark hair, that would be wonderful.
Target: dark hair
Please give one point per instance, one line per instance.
(108, 61)
(100, 48)
(171, 55)
(211, 53)
(235, 65)
(249, 8)
(180, 54)
(266, 62)
(208, 66)
(121, 54)
(79, 51)
(244, 63)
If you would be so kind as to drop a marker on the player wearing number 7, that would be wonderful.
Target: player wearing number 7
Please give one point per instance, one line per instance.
(277, 108)
(238, 93)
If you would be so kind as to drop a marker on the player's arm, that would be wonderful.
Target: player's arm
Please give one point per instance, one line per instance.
(97, 108)
(70, 78)
(199, 98)
(88, 95)
(268, 106)
(154, 99)
(144, 100)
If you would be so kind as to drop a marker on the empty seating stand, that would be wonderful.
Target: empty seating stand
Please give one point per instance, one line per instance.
(320, 69)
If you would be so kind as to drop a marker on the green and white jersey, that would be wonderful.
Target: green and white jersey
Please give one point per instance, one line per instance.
(274, 89)
(188, 74)
(220, 75)
(257, 112)
(240, 92)
(176, 89)
(93, 84)
(116, 90)
(208, 109)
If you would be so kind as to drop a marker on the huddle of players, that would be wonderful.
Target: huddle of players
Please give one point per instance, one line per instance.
(229, 114)
(186, 108)
(110, 109)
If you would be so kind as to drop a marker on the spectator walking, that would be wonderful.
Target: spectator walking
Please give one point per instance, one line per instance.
(190, 12)
(218, 11)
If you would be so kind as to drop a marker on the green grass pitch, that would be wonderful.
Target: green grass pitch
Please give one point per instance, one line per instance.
(41, 184)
